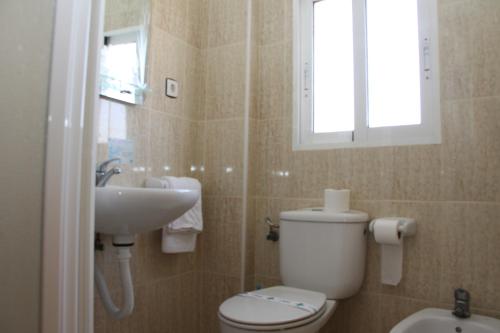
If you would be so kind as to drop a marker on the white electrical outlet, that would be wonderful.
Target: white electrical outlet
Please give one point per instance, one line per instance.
(172, 88)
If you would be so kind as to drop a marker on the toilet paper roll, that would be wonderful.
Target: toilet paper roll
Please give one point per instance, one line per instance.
(337, 200)
(386, 233)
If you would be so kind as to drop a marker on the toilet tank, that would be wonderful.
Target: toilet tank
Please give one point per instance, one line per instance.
(323, 251)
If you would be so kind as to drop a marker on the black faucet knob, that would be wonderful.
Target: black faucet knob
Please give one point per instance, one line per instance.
(273, 235)
(462, 303)
(462, 295)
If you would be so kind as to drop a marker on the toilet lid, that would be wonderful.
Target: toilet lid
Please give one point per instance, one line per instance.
(273, 306)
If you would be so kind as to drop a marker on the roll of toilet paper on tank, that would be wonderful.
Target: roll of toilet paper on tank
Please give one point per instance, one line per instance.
(387, 235)
(337, 200)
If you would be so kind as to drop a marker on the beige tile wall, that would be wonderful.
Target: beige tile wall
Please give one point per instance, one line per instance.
(452, 189)
(122, 14)
(202, 44)
(224, 105)
(168, 135)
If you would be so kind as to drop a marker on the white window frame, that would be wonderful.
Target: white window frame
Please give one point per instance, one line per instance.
(428, 132)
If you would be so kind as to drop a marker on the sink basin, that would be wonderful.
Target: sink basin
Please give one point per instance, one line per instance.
(442, 321)
(126, 211)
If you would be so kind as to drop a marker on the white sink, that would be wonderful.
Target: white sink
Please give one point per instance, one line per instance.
(442, 321)
(126, 211)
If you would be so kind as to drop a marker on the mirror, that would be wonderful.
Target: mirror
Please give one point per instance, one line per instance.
(124, 53)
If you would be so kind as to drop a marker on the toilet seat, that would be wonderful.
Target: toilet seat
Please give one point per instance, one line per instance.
(283, 310)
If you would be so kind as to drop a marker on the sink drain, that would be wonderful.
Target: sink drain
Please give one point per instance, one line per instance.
(458, 329)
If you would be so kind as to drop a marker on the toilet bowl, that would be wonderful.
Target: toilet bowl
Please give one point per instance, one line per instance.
(322, 260)
(280, 308)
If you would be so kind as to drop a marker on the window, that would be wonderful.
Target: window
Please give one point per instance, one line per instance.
(122, 65)
(365, 73)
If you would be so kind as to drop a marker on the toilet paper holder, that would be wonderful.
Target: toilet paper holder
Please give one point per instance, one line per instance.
(406, 226)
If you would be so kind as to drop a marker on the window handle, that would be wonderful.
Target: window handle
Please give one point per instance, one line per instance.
(307, 78)
(427, 58)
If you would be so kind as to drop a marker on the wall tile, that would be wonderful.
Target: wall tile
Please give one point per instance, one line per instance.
(271, 93)
(162, 142)
(271, 15)
(220, 242)
(121, 14)
(130, 123)
(253, 161)
(154, 63)
(167, 60)
(227, 22)
(340, 173)
(469, 253)
(250, 241)
(195, 137)
(250, 283)
(174, 67)
(171, 16)
(417, 172)
(455, 51)
(225, 82)
(469, 48)
(215, 289)
(265, 282)
(197, 23)
(352, 315)
(471, 150)
(171, 302)
(194, 86)
(223, 158)
(159, 265)
(275, 81)
(372, 173)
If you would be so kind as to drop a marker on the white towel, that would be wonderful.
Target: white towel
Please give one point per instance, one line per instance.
(180, 235)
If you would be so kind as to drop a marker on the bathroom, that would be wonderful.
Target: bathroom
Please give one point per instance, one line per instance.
(231, 117)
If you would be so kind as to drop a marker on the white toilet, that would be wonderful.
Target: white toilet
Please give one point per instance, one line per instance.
(322, 260)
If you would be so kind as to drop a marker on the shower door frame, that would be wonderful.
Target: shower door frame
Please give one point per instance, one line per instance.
(67, 289)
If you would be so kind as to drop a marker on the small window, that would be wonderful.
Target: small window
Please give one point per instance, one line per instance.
(333, 95)
(122, 65)
(365, 73)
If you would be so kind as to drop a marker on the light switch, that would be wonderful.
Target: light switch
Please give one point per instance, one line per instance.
(172, 88)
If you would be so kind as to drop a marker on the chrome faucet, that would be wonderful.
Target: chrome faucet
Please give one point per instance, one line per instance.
(462, 303)
(103, 175)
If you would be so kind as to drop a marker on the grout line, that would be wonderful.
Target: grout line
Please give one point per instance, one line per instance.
(246, 137)
(258, 197)
(223, 119)
(210, 48)
(470, 99)
(172, 115)
(220, 274)
(275, 43)
(177, 38)
(209, 196)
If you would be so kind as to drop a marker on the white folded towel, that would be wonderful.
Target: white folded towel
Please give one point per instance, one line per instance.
(180, 235)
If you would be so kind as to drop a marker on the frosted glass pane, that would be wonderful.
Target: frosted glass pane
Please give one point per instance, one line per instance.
(393, 63)
(333, 66)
